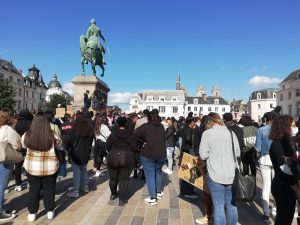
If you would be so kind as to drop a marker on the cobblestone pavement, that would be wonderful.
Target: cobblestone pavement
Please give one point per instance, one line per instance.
(95, 208)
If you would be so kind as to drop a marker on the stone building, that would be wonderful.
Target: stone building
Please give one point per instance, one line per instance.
(54, 87)
(288, 95)
(262, 101)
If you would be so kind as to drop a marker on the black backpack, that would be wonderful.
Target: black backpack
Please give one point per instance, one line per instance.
(82, 150)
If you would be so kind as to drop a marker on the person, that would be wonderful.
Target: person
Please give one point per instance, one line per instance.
(22, 125)
(120, 159)
(82, 136)
(262, 146)
(216, 147)
(101, 132)
(170, 136)
(190, 145)
(142, 120)
(7, 134)
(41, 165)
(276, 111)
(86, 101)
(150, 138)
(248, 148)
(284, 186)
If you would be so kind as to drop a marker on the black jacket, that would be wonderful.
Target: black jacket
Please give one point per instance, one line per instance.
(23, 122)
(238, 132)
(121, 140)
(191, 139)
(170, 136)
(151, 140)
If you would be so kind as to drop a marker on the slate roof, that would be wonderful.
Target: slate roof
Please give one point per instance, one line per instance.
(292, 76)
(209, 100)
(6, 65)
(265, 93)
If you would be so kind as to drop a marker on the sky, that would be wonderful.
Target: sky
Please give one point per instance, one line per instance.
(239, 45)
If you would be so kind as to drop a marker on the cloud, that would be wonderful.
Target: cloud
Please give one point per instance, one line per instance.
(120, 97)
(69, 87)
(257, 81)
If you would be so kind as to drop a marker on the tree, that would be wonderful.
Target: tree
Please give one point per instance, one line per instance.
(7, 94)
(56, 100)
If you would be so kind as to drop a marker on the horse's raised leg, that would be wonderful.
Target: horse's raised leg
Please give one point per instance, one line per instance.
(103, 69)
(93, 68)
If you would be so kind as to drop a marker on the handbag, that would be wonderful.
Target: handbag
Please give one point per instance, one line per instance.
(8, 154)
(243, 187)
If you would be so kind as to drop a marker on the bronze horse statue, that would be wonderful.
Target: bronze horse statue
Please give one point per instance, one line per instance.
(91, 51)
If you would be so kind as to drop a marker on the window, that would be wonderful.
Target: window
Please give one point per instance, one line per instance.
(258, 106)
(41, 97)
(216, 109)
(135, 101)
(271, 106)
(18, 80)
(209, 109)
(258, 95)
(174, 99)
(281, 97)
(27, 95)
(290, 95)
(10, 78)
(149, 98)
(195, 101)
(290, 110)
(195, 109)
(161, 98)
(201, 109)
(19, 105)
(298, 108)
(283, 87)
(223, 109)
(297, 92)
(175, 109)
(274, 95)
(20, 92)
(216, 101)
(32, 94)
(162, 109)
(150, 108)
(189, 108)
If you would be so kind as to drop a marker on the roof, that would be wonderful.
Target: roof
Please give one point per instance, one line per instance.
(6, 65)
(54, 82)
(33, 68)
(209, 100)
(265, 93)
(292, 76)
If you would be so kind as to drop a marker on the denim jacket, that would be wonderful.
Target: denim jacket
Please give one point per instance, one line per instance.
(263, 142)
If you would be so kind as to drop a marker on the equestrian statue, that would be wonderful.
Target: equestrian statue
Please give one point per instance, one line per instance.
(91, 49)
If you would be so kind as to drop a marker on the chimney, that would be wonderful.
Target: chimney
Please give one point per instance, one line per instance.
(204, 97)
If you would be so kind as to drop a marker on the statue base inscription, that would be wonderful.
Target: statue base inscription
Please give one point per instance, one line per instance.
(98, 91)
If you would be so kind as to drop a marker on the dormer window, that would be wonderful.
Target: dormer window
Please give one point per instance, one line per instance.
(149, 98)
(195, 101)
(216, 102)
(258, 95)
(162, 98)
(274, 95)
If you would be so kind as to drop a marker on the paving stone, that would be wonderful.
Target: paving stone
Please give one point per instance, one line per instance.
(162, 221)
(137, 220)
(163, 213)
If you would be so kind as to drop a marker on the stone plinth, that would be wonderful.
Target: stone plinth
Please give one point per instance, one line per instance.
(98, 91)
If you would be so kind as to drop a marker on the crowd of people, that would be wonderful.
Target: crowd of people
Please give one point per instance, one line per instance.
(128, 142)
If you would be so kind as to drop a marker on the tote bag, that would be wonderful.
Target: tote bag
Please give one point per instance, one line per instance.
(8, 154)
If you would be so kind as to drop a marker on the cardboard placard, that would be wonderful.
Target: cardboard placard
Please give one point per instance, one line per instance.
(70, 110)
(60, 112)
(189, 171)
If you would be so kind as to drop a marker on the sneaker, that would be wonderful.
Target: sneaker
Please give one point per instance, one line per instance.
(122, 202)
(73, 194)
(191, 196)
(151, 201)
(265, 218)
(11, 212)
(50, 215)
(159, 195)
(6, 191)
(168, 171)
(274, 211)
(203, 220)
(5, 216)
(113, 197)
(18, 188)
(85, 189)
(99, 174)
(31, 217)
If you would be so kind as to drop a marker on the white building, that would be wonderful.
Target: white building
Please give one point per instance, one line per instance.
(168, 102)
(54, 87)
(262, 101)
(288, 95)
(203, 104)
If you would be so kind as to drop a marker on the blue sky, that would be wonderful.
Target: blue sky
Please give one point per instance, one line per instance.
(216, 42)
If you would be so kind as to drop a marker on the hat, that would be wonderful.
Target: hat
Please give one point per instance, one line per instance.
(227, 117)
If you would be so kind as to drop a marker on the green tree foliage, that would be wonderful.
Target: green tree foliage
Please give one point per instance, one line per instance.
(7, 94)
(56, 99)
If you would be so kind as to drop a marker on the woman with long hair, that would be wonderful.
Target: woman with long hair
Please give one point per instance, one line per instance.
(7, 134)
(120, 160)
(101, 134)
(152, 142)
(284, 185)
(41, 165)
(81, 139)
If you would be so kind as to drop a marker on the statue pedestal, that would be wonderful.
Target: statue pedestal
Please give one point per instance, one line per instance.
(97, 88)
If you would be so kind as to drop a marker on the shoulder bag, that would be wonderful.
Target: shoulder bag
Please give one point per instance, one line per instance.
(8, 154)
(243, 187)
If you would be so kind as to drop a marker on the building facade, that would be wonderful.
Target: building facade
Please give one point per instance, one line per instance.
(262, 101)
(288, 95)
(30, 89)
(238, 108)
(54, 87)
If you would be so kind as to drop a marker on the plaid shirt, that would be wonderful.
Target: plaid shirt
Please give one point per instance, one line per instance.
(38, 163)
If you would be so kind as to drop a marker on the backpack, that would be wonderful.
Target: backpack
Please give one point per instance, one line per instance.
(81, 150)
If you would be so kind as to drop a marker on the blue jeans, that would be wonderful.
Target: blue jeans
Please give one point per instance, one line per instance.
(152, 169)
(221, 197)
(80, 176)
(170, 151)
(62, 170)
(5, 173)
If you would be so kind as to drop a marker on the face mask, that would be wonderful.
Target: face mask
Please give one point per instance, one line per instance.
(294, 131)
